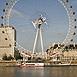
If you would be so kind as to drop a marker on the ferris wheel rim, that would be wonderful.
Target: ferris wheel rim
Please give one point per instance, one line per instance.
(71, 22)
(65, 5)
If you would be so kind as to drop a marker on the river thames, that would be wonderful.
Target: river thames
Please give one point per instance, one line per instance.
(70, 71)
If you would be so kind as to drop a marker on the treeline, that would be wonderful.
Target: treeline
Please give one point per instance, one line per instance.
(16, 57)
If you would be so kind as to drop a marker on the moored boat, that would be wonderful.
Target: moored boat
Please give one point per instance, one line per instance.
(32, 65)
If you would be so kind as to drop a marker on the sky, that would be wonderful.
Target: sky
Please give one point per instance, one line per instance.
(26, 11)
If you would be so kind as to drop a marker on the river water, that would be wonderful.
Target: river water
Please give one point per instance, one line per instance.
(70, 71)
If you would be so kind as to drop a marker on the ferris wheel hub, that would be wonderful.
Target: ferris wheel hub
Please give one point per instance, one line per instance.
(39, 21)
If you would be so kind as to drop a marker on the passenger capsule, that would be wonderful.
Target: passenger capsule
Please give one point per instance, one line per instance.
(70, 6)
(1, 24)
(6, 3)
(2, 17)
(66, 0)
(3, 10)
(75, 27)
(74, 33)
(71, 39)
(75, 20)
(73, 13)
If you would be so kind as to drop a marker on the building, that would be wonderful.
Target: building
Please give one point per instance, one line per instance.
(69, 53)
(7, 38)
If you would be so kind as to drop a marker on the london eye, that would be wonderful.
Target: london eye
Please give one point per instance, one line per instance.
(40, 23)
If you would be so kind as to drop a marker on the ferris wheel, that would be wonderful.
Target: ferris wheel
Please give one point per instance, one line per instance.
(39, 22)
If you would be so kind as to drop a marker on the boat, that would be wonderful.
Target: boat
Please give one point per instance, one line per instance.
(31, 65)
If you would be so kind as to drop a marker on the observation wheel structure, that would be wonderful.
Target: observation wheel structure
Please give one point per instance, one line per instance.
(70, 32)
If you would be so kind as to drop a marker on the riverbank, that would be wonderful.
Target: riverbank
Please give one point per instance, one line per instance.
(8, 63)
(15, 64)
(66, 65)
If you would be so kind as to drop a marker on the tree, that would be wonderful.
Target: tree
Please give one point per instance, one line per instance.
(4, 57)
(17, 56)
(10, 57)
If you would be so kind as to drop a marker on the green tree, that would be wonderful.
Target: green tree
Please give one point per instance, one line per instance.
(17, 56)
(4, 57)
(10, 57)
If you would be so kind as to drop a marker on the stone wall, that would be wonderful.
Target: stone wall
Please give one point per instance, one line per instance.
(70, 56)
(7, 38)
(71, 52)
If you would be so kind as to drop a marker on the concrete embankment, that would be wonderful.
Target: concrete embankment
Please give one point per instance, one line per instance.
(8, 63)
(60, 65)
(15, 64)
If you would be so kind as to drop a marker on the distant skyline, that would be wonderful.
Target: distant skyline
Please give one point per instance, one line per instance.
(26, 11)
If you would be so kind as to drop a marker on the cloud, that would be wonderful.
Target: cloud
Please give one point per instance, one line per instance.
(15, 13)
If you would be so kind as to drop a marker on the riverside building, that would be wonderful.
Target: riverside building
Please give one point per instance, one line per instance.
(69, 53)
(7, 38)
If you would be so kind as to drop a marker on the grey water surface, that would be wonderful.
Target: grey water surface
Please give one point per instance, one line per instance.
(70, 71)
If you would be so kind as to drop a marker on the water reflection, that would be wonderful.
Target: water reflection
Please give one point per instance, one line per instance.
(38, 71)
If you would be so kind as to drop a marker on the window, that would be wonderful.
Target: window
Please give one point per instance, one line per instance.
(10, 45)
(5, 38)
(3, 32)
